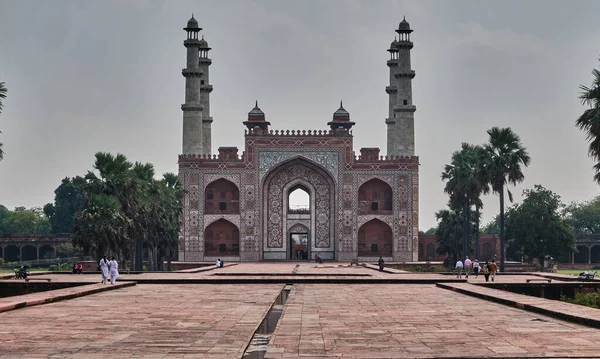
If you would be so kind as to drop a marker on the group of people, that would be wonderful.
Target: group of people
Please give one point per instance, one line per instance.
(109, 268)
(488, 269)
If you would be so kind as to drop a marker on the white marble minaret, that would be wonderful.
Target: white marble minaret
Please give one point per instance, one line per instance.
(401, 120)
(193, 107)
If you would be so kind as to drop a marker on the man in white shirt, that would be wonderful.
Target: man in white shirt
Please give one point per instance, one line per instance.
(459, 268)
(104, 269)
(468, 266)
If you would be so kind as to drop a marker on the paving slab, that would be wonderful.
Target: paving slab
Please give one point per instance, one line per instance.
(554, 308)
(50, 296)
(144, 321)
(418, 321)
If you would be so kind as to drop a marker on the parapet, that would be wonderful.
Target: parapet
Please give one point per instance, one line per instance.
(297, 133)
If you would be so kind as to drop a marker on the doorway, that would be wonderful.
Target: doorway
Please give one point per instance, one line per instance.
(299, 246)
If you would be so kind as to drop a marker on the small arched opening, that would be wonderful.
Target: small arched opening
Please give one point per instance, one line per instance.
(47, 252)
(222, 238)
(430, 251)
(582, 254)
(595, 254)
(486, 251)
(298, 200)
(11, 253)
(29, 253)
(375, 197)
(221, 196)
(375, 239)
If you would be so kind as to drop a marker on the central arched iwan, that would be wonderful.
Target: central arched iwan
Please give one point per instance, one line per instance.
(375, 197)
(221, 196)
(375, 239)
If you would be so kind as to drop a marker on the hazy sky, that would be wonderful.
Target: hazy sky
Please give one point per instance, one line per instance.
(88, 76)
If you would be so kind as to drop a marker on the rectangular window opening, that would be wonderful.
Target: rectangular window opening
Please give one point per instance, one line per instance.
(222, 206)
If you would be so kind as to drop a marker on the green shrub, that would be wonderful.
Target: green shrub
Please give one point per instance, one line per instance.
(591, 300)
(144, 268)
(417, 269)
(61, 267)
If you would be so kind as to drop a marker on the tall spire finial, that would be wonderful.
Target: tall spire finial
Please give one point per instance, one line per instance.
(256, 103)
(341, 106)
(403, 18)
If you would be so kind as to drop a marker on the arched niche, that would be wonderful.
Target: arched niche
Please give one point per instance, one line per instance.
(375, 197)
(595, 254)
(221, 238)
(375, 239)
(221, 196)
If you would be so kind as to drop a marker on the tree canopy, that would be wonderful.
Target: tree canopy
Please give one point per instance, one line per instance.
(23, 220)
(535, 226)
(584, 218)
(68, 200)
(125, 208)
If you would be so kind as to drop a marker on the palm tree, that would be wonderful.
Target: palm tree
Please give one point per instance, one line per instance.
(590, 120)
(502, 160)
(449, 233)
(465, 185)
(2, 96)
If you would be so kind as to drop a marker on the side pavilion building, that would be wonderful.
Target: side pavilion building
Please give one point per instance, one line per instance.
(236, 206)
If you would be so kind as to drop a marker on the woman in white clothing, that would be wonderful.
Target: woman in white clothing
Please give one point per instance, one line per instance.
(104, 269)
(114, 270)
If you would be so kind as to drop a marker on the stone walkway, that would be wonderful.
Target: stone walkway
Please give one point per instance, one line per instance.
(185, 319)
(154, 321)
(417, 321)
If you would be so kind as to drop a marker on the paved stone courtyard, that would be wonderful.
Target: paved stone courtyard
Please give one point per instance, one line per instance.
(337, 315)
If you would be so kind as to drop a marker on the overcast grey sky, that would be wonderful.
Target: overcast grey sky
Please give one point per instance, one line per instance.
(88, 76)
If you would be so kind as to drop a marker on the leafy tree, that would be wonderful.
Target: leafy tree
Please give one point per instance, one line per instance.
(502, 164)
(589, 121)
(68, 200)
(584, 218)
(23, 220)
(465, 185)
(3, 91)
(536, 226)
(431, 230)
(449, 234)
(67, 250)
(125, 208)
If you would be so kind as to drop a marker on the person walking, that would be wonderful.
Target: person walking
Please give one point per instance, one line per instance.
(459, 268)
(104, 269)
(381, 263)
(468, 266)
(114, 270)
(476, 268)
(486, 271)
(493, 270)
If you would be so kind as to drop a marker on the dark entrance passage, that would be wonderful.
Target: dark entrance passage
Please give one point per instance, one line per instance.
(299, 246)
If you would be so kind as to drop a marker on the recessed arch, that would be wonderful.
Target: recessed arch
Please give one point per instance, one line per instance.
(47, 252)
(375, 239)
(430, 252)
(222, 238)
(595, 254)
(375, 197)
(221, 196)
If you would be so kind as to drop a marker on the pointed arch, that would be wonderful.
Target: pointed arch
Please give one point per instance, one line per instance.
(375, 239)
(222, 238)
(375, 197)
(221, 196)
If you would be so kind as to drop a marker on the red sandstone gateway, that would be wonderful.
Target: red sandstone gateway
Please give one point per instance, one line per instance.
(238, 207)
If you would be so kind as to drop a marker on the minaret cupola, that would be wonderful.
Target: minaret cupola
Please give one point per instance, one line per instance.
(204, 49)
(256, 120)
(341, 119)
(404, 31)
(192, 28)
